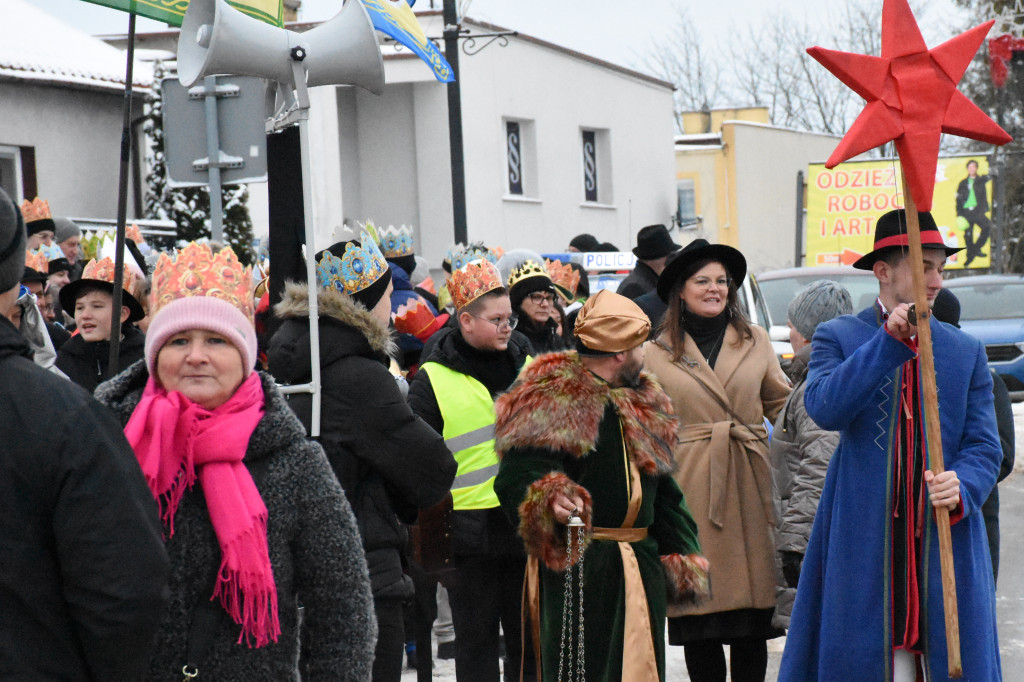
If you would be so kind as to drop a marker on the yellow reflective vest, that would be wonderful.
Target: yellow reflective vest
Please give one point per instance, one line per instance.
(468, 412)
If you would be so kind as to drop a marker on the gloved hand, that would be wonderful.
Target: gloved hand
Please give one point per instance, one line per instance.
(791, 562)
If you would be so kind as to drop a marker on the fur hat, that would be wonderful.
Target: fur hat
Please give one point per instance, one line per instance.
(12, 244)
(196, 289)
(818, 302)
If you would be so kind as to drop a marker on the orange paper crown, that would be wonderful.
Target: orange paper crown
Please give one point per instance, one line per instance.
(103, 271)
(135, 234)
(34, 210)
(473, 281)
(415, 318)
(196, 271)
(565, 279)
(37, 261)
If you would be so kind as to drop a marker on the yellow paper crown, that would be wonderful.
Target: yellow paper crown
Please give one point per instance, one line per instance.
(196, 271)
(37, 260)
(103, 271)
(565, 279)
(526, 270)
(473, 281)
(37, 209)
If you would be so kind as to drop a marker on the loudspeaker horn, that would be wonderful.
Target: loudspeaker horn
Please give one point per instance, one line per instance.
(216, 38)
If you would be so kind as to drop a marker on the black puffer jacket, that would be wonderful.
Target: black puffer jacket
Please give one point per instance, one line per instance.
(314, 551)
(389, 461)
(543, 338)
(83, 571)
(85, 362)
(478, 531)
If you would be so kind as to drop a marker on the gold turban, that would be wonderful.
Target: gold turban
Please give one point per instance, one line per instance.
(611, 323)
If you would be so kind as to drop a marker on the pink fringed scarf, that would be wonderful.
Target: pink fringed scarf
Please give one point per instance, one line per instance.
(175, 439)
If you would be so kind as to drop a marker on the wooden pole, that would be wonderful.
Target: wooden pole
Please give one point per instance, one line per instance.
(933, 452)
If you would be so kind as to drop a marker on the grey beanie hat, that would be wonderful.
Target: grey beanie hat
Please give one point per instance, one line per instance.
(819, 301)
(12, 244)
(65, 229)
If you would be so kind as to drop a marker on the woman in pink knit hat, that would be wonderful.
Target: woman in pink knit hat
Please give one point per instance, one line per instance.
(255, 522)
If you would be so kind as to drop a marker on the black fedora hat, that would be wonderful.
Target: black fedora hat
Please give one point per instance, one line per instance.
(69, 294)
(700, 249)
(653, 242)
(891, 234)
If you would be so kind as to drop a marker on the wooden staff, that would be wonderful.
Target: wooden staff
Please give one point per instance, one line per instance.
(933, 451)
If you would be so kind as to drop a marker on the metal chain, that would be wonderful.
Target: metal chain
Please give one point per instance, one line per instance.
(565, 653)
(581, 676)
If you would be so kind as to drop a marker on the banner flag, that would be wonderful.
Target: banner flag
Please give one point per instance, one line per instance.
(396, 19)
(173, 11)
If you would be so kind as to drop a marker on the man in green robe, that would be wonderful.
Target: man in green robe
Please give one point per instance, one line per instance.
(588, 432)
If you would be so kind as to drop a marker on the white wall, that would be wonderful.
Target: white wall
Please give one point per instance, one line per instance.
(77, 138)
(767, 161)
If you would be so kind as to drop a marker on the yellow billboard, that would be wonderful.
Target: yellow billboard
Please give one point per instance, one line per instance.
(844, 203)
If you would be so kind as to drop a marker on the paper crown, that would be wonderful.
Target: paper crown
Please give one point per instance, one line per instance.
(103, 271)
(526, 270)
(565, 279)
(52, 252)
(135, 234)
(37, 209)
(36, 260)
(415, 318)
(472, 281)
(358, 267)
(396, 242)
(196, 271)
(460, 254)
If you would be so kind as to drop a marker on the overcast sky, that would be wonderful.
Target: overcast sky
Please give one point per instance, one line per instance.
(616, 30)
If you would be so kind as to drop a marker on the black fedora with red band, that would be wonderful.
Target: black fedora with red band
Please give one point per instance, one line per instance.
(891, 234)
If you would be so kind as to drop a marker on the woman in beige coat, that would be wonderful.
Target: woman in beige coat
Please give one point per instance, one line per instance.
(723, 378)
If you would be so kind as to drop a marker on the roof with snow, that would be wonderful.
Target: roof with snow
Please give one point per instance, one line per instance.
(35, 46)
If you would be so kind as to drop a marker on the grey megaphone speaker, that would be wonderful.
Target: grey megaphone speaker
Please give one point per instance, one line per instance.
(216, 38)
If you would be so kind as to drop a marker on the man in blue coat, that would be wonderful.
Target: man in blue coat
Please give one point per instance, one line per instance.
(869, 603)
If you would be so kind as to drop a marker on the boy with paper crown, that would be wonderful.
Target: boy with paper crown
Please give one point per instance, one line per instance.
(388, 461)
(89, 300)
(454, 392)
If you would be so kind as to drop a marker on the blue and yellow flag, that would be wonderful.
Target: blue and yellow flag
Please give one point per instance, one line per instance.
(173, 11)
(396, 19)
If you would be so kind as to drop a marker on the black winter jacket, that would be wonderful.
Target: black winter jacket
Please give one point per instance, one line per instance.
(314, 551)
(638, 282)
(83, 571)
(389, 462)
(85, 362)
(478, 531)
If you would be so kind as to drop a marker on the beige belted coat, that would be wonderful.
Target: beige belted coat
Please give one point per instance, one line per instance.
(723, 467)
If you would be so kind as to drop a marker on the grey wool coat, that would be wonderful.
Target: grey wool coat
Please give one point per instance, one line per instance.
(315, 551)
(800, 453)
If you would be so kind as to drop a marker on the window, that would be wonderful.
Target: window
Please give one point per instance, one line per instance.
(10, 171)
(514, 145)
(520, 159)
(596, 159)
(686, 204)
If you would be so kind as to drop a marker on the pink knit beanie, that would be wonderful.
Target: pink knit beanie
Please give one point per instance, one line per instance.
(201, 312)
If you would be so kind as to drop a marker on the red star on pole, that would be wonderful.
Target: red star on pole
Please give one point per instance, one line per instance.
(911, 97)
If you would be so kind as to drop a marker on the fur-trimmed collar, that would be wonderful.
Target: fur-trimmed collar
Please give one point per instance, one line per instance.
(295, 303)
(558, 405)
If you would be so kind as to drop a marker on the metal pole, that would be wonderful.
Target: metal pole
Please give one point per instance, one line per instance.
(451, 53)
(799, 251)
(302, 94)
(122, 205)
(213, 157)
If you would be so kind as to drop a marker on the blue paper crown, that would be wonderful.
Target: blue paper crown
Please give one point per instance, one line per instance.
(359, 267)
(396, 242)
(460, 255)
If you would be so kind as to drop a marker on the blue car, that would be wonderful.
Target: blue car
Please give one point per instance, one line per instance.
(992, 311)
